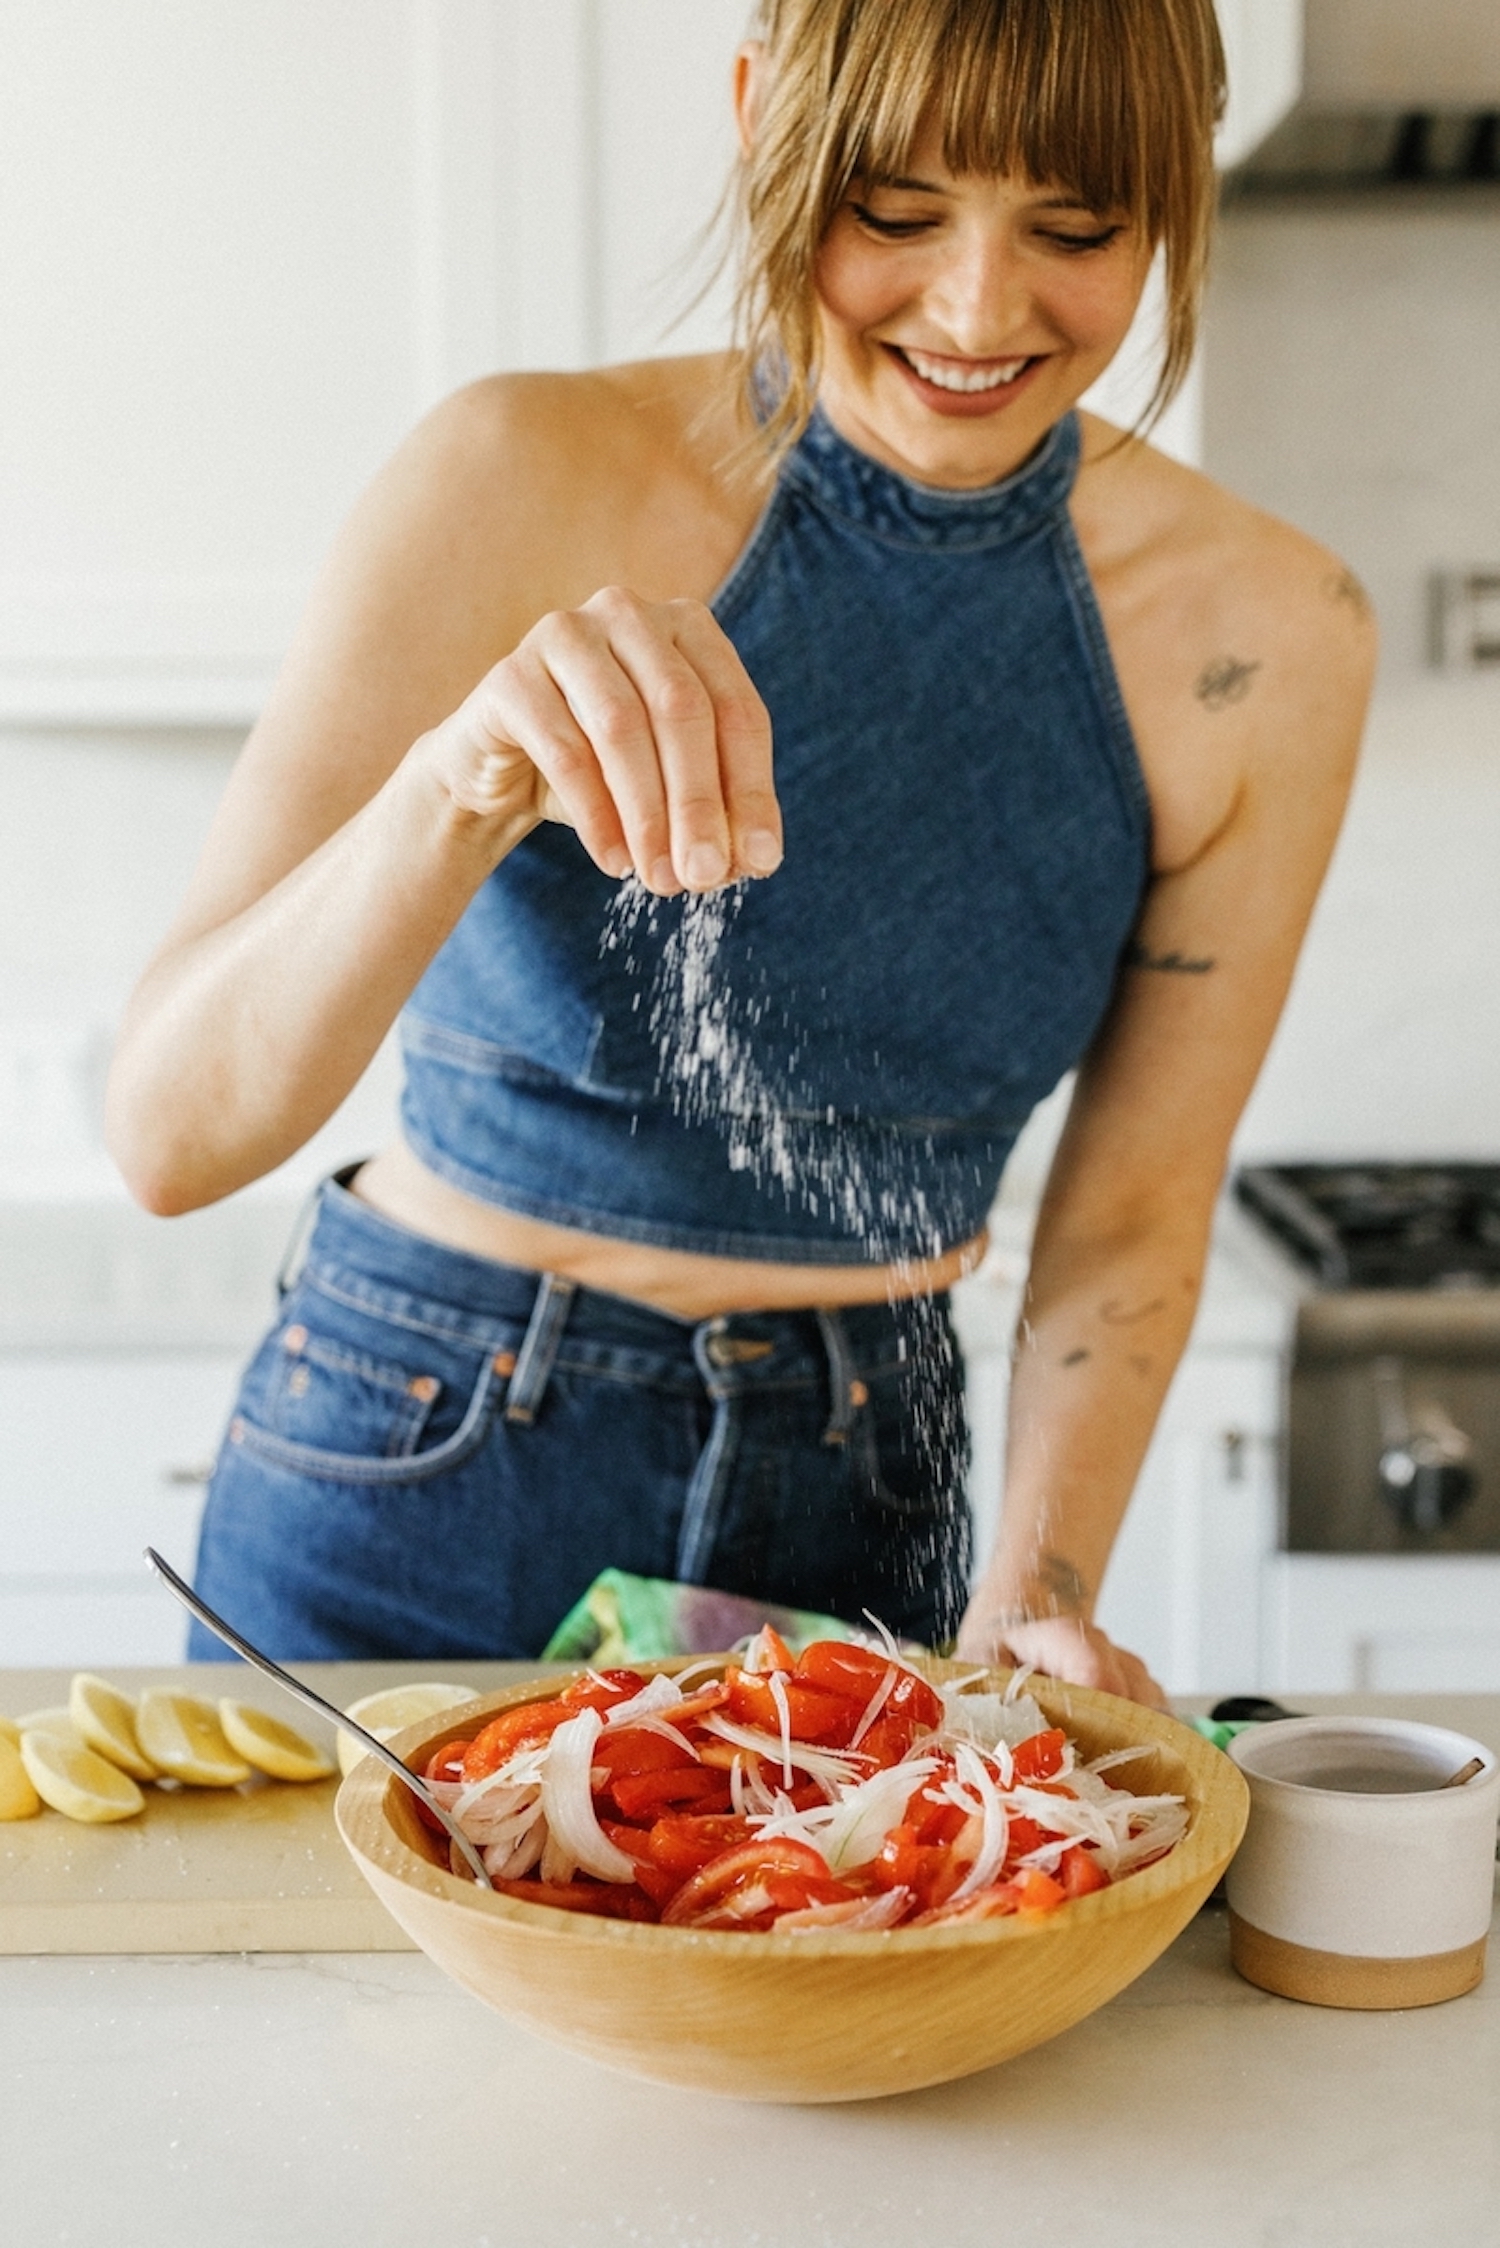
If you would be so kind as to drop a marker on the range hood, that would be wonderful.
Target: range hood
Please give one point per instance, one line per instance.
(1393, 93)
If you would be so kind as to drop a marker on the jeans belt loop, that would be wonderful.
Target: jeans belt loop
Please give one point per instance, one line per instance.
(294, 1255)
(539, 1348)
(846, 1392)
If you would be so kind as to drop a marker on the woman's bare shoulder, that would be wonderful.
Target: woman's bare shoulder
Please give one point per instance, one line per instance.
(1213, 561)
(558, 464)
(517, 495)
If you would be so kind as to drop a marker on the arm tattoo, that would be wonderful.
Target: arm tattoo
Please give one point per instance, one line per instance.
(1061, 1589)
(1226, 680)
(1345, 586)
(1125, 1315)
(1138, 955)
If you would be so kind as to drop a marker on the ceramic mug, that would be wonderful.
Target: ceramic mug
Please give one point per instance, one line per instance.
(1362, 1880)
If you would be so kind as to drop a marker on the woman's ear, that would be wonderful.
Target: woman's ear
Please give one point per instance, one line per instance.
(749, 76)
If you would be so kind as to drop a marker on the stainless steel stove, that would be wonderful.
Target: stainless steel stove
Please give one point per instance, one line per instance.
(1393, 1420)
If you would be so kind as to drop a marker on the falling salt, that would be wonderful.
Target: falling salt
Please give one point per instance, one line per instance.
(712, 1034)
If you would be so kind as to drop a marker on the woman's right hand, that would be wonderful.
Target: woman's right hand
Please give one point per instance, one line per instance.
(636, 723)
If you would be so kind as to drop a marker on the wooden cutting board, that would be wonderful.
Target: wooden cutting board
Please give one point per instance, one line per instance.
(258, 1868)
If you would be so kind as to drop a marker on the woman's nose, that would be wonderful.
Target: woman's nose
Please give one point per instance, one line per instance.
(983, 298)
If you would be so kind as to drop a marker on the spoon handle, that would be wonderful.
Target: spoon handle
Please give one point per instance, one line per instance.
(403, 1772)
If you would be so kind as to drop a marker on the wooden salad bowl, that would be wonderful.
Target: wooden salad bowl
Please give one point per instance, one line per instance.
(810, 2016)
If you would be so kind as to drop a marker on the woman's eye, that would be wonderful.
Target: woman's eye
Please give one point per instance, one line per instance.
(1077, 242)
(890, 230)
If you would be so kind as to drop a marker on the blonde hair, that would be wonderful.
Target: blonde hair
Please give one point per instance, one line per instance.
(1115, 101)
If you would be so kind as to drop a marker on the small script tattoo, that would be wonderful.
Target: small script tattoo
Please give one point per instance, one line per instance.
(1126, 1315)
(1344, 586)
(1226, 680)
(1138, 955)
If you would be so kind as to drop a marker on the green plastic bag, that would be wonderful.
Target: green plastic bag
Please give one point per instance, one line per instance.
(625, 1619)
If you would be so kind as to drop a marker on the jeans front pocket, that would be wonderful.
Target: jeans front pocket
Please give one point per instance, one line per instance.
(315, 1404)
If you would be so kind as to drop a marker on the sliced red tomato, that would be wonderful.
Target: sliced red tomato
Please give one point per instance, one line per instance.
(929, 1870)
(1037, 1891)
(839, 1667)
(640, 1795)
(681, 1843)
(609, 1900)
(1023, 1836)
(632, 1748)
(513, 1729)
(1041, 1757)
(826, 1719)
(735, 1889)
(697, 1704)
(603, 1688)
(888, 1740)
(1080, 1872)
(936, 1822)
(769, 1643)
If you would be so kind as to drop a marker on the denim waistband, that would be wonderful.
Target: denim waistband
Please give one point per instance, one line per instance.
(533, 1321)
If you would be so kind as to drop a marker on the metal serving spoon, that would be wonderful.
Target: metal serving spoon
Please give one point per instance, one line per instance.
(403, 1772)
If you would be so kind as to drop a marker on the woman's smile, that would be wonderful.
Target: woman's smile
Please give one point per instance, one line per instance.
(964, 388)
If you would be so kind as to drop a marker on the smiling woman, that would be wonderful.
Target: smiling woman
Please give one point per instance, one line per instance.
(754, 780)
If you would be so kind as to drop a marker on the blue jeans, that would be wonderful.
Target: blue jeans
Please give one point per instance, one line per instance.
(433, 1455)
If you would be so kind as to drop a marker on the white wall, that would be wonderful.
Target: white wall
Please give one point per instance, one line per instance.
(1353, 385)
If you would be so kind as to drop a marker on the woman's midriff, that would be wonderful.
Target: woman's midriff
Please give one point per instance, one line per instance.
(670, 1280)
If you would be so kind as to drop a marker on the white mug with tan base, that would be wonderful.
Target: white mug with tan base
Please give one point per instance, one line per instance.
(1363, 1879)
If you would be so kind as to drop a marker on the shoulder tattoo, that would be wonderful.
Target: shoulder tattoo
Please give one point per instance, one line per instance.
(1226, 680)
(1138, 955)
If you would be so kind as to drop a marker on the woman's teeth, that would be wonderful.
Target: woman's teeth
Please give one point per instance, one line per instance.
(949, 376)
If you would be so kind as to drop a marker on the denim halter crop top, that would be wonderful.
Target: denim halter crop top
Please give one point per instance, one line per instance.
(831, 1065)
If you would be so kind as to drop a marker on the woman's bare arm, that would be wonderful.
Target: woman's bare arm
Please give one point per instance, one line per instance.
(382, 785)
(1123, 1231)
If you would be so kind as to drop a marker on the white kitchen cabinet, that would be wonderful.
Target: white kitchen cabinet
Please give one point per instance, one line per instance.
(243, 247)
(1383, 1623)
(101, 1454)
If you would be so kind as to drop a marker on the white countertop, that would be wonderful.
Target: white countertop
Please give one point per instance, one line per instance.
(295, 2102)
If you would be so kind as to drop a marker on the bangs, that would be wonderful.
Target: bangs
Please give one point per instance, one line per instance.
(1035, 89)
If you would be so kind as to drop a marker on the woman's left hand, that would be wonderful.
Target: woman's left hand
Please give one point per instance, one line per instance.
(1066, 1647)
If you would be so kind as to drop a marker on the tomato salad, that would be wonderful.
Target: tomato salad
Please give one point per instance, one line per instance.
(833, 1789)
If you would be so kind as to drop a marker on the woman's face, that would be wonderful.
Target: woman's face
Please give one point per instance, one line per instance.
(961, 316)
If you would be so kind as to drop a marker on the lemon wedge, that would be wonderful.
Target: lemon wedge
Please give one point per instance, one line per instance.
(18, 1798)
(394, 1706)
(58, 1719)
(104, 1720)
(77, 1782)
(10, 1731)
(269, 1745)
(183, 1738)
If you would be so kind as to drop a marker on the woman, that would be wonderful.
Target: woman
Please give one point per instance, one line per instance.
(949, 738)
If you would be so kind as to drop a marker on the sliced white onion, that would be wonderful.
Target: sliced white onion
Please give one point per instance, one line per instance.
(825, 1765)
(875, 1705)
(858, 1913)
(569, 1804)
(784, 1713)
